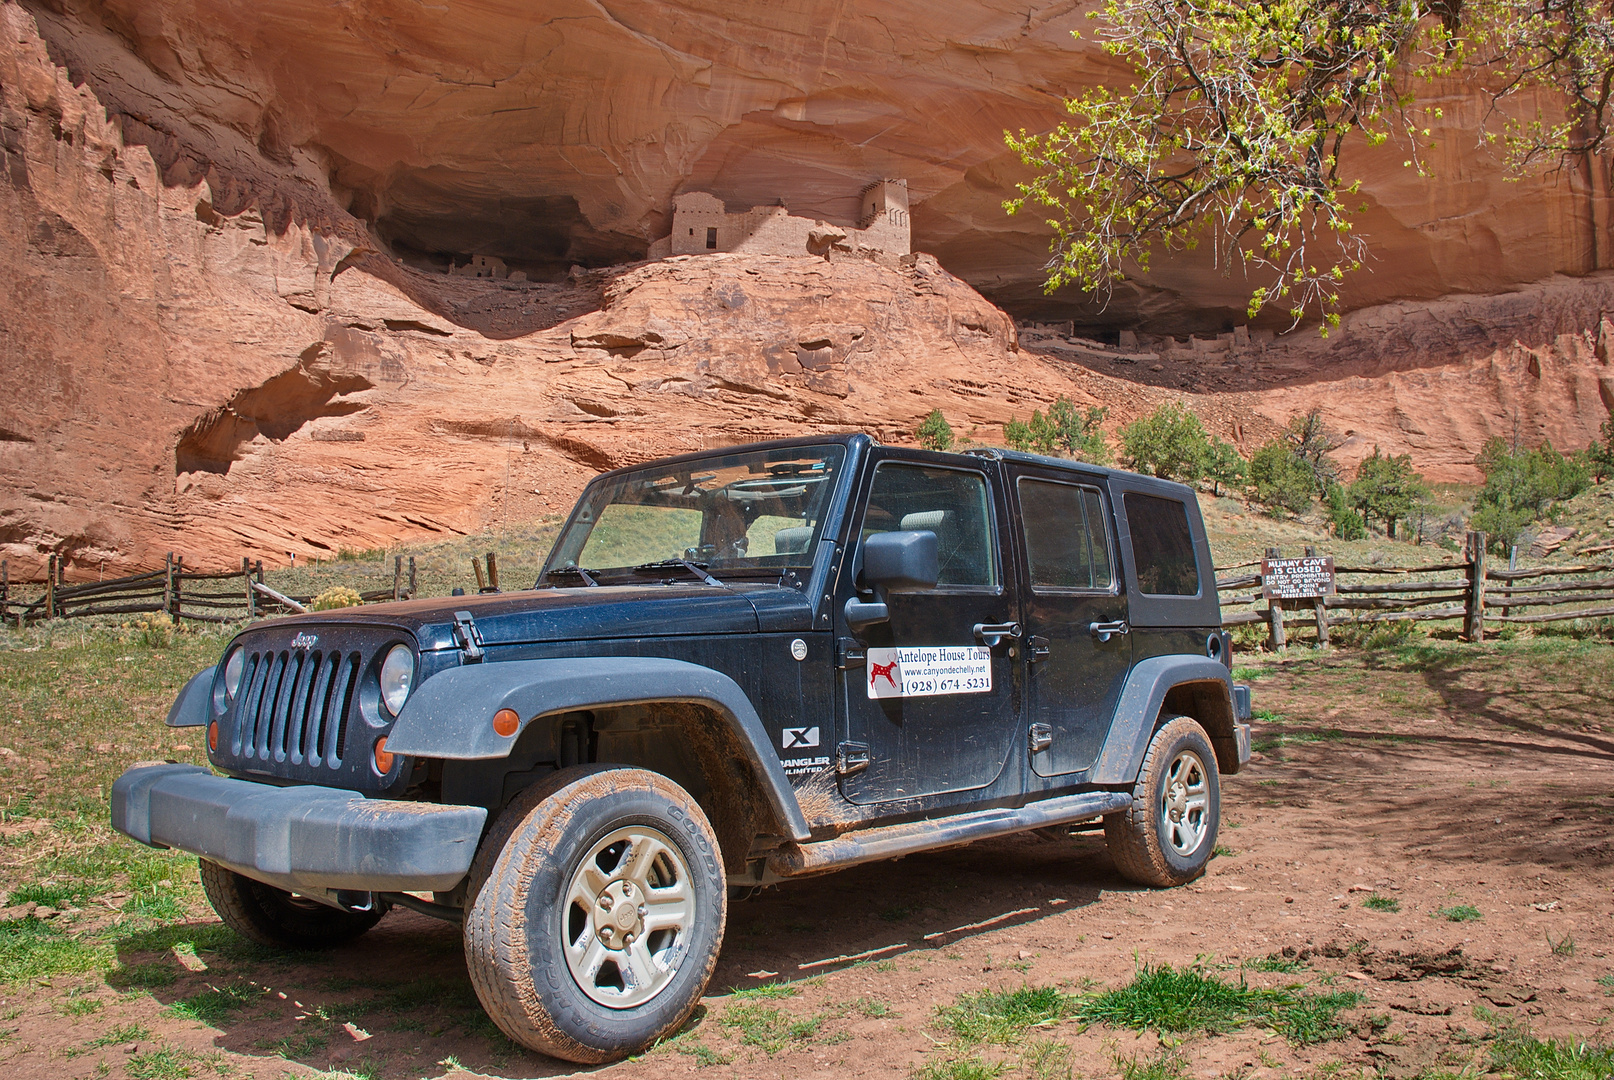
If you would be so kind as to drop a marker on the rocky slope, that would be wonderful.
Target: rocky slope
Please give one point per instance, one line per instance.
(195, 362)
(561, 137)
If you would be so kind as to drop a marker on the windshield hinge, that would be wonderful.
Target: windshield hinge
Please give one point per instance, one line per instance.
(850, 653)
(470, 638)
(851, 758)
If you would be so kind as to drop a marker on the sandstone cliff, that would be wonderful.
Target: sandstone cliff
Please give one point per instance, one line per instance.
(215, 362)
(560, 134)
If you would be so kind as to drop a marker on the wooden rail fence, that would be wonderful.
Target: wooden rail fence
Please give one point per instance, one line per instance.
(231, 596)
(1469, 591)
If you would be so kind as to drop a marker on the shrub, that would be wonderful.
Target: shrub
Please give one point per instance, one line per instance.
(1521, 486)
(1599, 456)
(1170, 443)
(1224, 467)
(1386, 488)
(337, 596)
(1282, 481)
(1065, 430)
(1347, 523)
(935, 433)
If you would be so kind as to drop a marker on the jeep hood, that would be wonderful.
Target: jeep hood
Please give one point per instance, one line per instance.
(577, 614)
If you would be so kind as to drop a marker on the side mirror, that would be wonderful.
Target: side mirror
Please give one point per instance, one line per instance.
(901, 561)
(894, 562)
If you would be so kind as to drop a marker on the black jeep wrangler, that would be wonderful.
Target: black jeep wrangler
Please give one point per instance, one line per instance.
(738, 667)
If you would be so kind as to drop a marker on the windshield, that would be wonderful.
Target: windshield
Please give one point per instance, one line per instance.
(760, 509)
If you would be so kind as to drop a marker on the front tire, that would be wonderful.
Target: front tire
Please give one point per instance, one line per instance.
(1168, 834)
(276, 918)
(596, 912)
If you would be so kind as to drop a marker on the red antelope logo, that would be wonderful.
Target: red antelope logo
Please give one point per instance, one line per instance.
(883, 671)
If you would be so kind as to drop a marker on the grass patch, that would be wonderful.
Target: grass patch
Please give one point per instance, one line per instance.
(967, 1068)
(31, 949)
(1285, 965)
(1192, 999)
(212, 1006)
(163, 1063)
(1607, 983)
(122, 1033)
(768, 1028)
(998, 1016)
(1516, 1055)
(1460, 913)
(1165, 1065)
(704, 1055)
(874, 1009)
(1382, 903)
(766, 992)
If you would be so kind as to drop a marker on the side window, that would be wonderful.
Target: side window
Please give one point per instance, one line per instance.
(1067, 538)
(1162, 546)
(948, 502)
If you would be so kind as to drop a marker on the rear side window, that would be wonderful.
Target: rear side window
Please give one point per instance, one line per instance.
(948, 502)
(1067, 541)
(1162, 546)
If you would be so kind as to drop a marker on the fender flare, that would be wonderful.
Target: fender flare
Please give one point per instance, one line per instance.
(192, 707)
(450, 715)
(1139, 707)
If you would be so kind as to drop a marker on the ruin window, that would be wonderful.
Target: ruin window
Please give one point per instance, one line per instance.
(711, 239)
(692, 232)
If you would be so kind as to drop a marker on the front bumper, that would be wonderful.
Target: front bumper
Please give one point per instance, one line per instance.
(303, 839)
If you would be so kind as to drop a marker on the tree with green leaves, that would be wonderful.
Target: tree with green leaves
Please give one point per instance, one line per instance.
(1170, 443)
(1224, 467)
(1346, 522)
(1313, 444)
(1065, 430)
(1386, 488)
(1520, 487)
(1237, 123)
(1600, 455)
(935, 433)
(1280, 479)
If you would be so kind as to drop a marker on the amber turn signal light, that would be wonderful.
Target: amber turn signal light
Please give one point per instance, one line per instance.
(505, 722)
(213, 737)
(383, 759)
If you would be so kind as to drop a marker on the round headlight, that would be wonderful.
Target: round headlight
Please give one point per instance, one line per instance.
(397, 674)
(232, 672)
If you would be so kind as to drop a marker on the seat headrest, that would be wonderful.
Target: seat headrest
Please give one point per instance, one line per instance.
(792, 541)
(926, 519)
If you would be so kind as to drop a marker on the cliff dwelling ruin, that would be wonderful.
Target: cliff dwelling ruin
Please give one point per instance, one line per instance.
(702, 225)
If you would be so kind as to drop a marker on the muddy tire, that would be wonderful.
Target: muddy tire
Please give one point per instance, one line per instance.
(1169, 832)
(276, 918)
(596, 911)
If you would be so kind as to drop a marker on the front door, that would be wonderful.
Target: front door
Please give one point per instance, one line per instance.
(1078, 650)
(933, 706)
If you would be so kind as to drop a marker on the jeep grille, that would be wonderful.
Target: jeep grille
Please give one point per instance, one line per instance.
(294, 707)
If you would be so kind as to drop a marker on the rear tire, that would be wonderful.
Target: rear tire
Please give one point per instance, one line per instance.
(596, 912)
(1168, 834)
(276, 918)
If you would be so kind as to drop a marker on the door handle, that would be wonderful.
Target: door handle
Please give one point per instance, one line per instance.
(1106, 630)
(992, 634)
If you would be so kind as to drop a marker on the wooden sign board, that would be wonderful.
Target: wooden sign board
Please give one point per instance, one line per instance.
(1297, 579)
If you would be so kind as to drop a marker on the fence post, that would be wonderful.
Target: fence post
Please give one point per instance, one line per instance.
(178, 570)
(1274, 610)
(411, 577)
(1474, 609)
(50, 587)
(481, 579)
(493, 571)
(5, 588)
(397, 577)
(168, 582)
(246, 581)
(1319, 608)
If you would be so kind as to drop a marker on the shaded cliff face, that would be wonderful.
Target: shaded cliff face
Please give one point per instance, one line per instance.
(214, 362)
(560, 137)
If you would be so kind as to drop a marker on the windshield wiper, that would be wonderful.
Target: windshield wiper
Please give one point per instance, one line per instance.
(574, 571)
(698, 569)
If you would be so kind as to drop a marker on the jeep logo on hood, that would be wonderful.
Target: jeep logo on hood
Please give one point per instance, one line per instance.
(304, 641)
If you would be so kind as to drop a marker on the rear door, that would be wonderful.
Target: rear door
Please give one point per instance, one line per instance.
(1078, 651)
(931, 703)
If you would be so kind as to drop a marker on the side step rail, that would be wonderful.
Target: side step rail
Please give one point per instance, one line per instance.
(890, 841)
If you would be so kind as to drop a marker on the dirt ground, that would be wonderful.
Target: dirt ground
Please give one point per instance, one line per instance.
(1441, 779)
